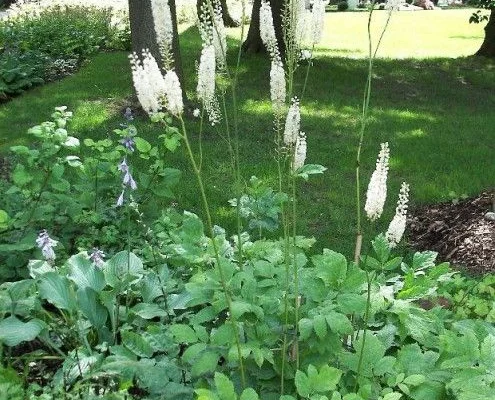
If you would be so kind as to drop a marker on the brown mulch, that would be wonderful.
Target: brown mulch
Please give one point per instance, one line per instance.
(458, 231)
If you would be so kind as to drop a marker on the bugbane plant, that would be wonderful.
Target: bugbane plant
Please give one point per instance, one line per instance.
(377, 187)
(292, 123)
(162, 22)
(397, 226)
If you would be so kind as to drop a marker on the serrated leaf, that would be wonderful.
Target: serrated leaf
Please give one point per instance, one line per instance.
(320, 326)
(137, 344)
(392, 396)
(225, 388)
(20, 176)
(142, 144)
(414, 380)
(13, 331)
(422, 260)
(381, 247)
(249, 394)
(339, 323)
(305, 328)
(302, 384)
(207, 362)
(148, 311)
(183, 333)
(310, 169)
(331, 267)
(4, 220)
(193, 351)
(327, 379)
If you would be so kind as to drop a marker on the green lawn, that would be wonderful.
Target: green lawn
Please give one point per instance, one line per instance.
(436, 113)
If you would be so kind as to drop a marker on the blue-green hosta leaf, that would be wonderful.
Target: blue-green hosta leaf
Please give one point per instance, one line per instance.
(57, 290)
(225, 387)
(487, 353)
(148, 311)
(13, 331)
(91, 307)
(122, 266)
(85, 274)
(19, 290)
(137, 344)
(310, 169)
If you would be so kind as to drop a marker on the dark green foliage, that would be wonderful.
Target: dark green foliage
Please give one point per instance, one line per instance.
(34, 48)
(342, 5)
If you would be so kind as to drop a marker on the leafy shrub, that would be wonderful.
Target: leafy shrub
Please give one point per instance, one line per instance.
(20, 71)
(71, 189)
(342, 5)
(51, 43)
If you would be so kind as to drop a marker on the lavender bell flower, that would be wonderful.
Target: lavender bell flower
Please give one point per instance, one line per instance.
(128, 143)
(127, 180)
(46, 244)
(97, 257)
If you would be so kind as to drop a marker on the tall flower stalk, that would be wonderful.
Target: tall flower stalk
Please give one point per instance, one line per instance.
(153, 100)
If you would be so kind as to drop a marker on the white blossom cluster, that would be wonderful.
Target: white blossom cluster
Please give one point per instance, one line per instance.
(148, 82)
(212, 30)
(295, 140)
(292, 123)
(299, 152)
(299, 18)
(153, 90)
(377, 188)
(317, 18)
(162, 21)
(398, 224)
(277, 73)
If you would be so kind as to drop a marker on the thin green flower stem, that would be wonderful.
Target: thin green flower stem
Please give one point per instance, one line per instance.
(200, 140)
(221, 274)
(296, 272)
(310, 63)
(128, 210)
(366, 320)
(364, 120)
(96, 186)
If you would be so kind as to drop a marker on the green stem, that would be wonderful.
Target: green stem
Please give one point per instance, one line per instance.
(221, 274)
(296, 272)
(366, 320)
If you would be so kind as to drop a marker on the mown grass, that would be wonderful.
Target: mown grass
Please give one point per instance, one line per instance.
(436, 113)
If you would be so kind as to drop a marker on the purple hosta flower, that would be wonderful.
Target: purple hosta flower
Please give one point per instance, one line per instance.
(398, 224)
(128, 115)
(292, 123)
(128, 143)
(299, 152)
(377, 188)
(97, 257)
(46, 244)
(127, 180)
(120, 200)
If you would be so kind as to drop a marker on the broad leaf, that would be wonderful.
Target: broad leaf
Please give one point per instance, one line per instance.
(148, 311)
(137, 344)
(91, 307)
(84, 274)
(13, 331)
(225, 387)
(57, 290)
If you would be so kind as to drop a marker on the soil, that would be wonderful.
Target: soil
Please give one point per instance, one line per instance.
(459, 231)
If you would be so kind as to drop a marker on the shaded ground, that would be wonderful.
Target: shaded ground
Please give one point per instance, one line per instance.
(459, 231)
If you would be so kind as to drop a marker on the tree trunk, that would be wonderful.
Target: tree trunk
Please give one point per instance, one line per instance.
(253, 42)
(487, 48)
(143, 35)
